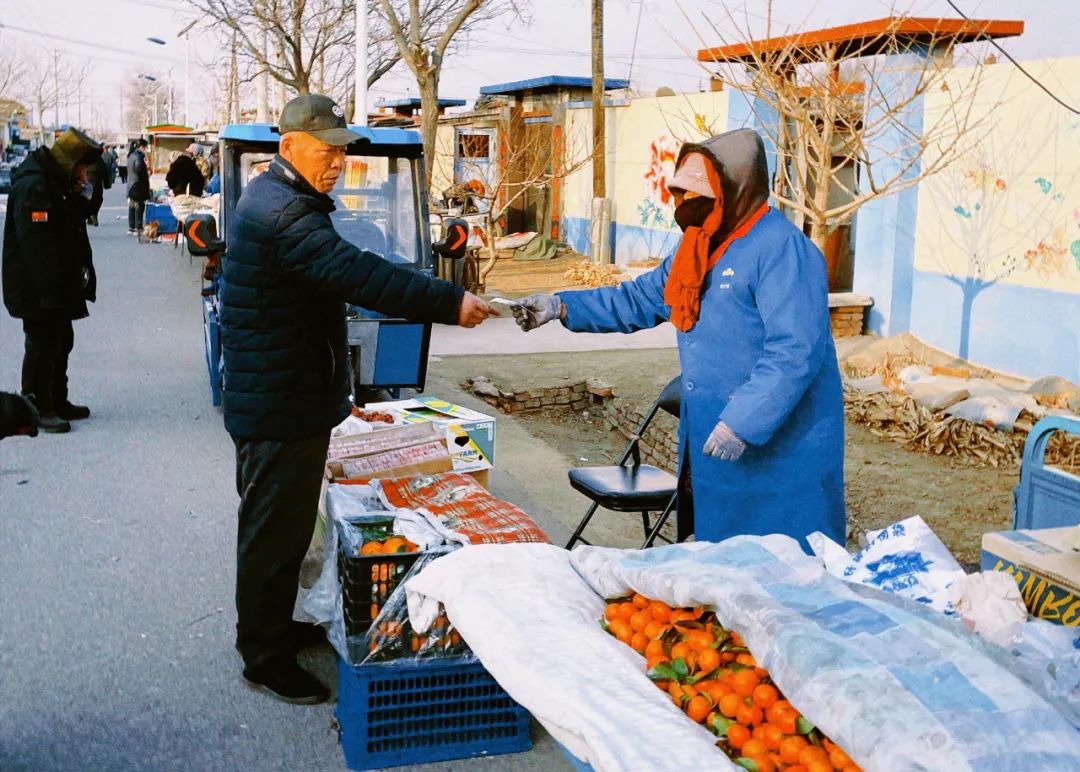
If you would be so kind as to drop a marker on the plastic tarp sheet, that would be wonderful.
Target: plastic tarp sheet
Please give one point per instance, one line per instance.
(897, 685)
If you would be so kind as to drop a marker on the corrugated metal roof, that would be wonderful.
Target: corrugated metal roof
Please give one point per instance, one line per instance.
(262, 132)
(551, 83)
(415, 102)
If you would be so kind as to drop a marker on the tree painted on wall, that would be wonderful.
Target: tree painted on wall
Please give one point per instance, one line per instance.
(1001, 228)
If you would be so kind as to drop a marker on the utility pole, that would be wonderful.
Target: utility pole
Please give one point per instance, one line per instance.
(56, 88)
(600, 222)
(599, 172)
(262, 111)
(360, 108)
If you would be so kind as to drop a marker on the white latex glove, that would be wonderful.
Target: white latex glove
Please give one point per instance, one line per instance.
(535, 310)
(723, 443)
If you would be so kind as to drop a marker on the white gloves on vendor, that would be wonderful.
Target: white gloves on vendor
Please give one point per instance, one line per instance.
(724, 444)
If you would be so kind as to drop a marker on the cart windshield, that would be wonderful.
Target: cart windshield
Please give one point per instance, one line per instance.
(375, 200)
(377, 207)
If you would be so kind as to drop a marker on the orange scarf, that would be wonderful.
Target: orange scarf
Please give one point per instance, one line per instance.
(693, 262)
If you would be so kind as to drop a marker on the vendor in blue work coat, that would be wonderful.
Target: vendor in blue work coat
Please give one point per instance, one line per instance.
(762, 426)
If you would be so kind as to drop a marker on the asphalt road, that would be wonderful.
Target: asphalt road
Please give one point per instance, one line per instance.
(117, 552)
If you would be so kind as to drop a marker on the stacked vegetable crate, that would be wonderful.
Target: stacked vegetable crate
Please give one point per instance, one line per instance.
(407, 704)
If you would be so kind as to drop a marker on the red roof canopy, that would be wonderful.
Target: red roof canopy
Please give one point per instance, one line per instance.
(865, 38)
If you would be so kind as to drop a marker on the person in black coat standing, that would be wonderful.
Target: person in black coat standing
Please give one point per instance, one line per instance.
(184, 176)
(101, 179)
(138, 185)
(48, 268)
(287, 278)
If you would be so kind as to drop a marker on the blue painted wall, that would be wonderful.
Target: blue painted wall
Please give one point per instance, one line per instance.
(629, 242)
(885, 230)
(1008, 329)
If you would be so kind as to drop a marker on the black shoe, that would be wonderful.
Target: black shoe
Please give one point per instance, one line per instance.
(285, 680)
(53, 424)
(92, 220)
(70, 412)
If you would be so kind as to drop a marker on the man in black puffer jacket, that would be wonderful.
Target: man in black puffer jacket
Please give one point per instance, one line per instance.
(48, 268)
(287, 278)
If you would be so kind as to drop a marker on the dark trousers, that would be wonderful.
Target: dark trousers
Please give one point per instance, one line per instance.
(122, 171)
(48, 343)
(279, 483)
(135, 214)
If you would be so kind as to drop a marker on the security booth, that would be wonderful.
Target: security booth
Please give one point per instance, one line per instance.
(381, 206)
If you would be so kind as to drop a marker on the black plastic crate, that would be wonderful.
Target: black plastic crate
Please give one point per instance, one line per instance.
(367, 582)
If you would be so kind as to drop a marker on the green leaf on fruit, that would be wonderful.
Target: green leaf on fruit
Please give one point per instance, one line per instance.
(663, 672)
(720, 725)
(682, 670)
(748, 764)
(803, 726)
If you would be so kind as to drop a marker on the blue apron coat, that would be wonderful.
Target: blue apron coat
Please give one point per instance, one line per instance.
(761, 358)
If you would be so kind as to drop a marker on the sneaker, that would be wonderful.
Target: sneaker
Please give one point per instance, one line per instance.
(284, 680)
(70, 412)
(53, 424)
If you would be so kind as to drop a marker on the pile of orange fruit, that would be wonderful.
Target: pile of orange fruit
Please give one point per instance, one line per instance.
(391, 546)
(711, 675)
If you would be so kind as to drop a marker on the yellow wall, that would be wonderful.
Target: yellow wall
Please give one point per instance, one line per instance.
(1009, 209)
(442, 172)
(643, 138)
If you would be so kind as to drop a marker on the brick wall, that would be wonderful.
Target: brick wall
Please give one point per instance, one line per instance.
(847, 320)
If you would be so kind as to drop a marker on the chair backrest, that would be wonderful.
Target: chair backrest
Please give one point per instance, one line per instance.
(670, 400)
(1046, 497)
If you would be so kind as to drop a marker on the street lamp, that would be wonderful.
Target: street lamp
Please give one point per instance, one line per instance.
(152, 79)
(184, 33)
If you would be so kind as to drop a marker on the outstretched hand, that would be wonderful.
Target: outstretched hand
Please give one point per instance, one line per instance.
(474, 310)
(536, 310)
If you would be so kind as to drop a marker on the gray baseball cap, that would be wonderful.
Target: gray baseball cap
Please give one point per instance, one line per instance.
(318, 116)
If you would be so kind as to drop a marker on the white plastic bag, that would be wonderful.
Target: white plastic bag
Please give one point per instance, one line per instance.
(907, 558)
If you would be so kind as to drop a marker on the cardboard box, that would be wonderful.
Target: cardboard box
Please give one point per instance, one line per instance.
(395, 452)
(469, 435)
(1045, 567)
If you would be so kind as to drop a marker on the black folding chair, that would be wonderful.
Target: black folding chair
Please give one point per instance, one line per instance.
(635, 487)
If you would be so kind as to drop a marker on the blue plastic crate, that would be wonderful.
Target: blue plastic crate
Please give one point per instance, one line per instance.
(413, 712)
(163, 213)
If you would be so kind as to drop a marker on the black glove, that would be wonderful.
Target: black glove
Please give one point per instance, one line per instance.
(17, 416)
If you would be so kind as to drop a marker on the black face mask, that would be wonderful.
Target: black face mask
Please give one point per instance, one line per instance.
(693, 212)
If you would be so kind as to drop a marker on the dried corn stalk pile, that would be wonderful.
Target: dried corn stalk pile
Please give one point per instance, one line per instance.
(592, 275)
(896, 416)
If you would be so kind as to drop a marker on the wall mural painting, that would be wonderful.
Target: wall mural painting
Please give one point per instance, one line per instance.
(656, 210)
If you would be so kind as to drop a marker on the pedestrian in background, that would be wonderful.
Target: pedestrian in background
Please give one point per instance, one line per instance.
(138, 185)
(48, 268)
(101, 180)
(121, 156)
(184, 176)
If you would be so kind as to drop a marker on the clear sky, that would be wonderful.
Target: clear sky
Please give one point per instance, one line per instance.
(646, 41)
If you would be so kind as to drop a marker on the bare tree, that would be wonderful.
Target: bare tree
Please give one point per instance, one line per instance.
(309, 44)
(531, 161)
(838, 114)
(142, 98)
(12, 66)
(424, 32)
(48, 80)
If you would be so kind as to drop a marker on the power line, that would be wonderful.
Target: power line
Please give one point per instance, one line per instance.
(85, 43)
(1019, 66)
